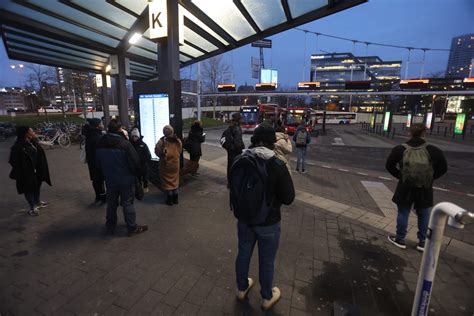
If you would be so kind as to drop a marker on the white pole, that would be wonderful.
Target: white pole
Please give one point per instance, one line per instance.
(457, 217)
(199, 91)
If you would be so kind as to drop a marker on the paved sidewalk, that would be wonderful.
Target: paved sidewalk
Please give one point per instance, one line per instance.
(61, 263)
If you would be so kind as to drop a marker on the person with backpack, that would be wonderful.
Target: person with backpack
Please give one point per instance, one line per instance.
(192, 144)
(415, 164)
(259, 184)
(144, 155)
(301, 139)
(93, 134)
(232, 142)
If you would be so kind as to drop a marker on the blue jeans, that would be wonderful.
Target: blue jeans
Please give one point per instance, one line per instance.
(301, 155)
(33, 198)
(126, 195)
(402, 222)
(268, 238)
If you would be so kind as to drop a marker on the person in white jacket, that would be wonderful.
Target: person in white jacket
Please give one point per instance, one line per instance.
(283, 146)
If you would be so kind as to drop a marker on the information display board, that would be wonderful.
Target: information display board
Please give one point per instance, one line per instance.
(409, 120)
(429, 118)
(386, 122)
(154, 115)
(459, 126)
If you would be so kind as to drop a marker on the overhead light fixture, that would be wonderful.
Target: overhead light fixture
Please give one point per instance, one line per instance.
(107, 68)
(12, 66)
(21, 65)
(135, 37)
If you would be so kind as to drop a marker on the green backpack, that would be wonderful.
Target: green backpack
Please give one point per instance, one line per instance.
(417, 169)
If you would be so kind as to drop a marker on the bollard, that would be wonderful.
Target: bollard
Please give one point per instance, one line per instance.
(445, 131)
(393, 133)
(437, 130)
(471, 128)
(457, 218)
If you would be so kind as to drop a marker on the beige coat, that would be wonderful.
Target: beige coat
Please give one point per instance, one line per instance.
(169, 150)
(283, 147)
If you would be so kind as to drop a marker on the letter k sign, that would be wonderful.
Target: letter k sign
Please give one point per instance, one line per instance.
(158, 18)
(155, 19)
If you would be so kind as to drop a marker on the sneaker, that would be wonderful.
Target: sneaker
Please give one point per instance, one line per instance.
(303, 171)
(421, 246)
(397, 242)
(42, 204)
(33, 212)
(146, 190)
(139, 229)
(267, 304)
(242, 295)
(297, 170)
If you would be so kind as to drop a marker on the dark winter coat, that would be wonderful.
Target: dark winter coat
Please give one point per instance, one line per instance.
(29, 166)
(237, 144)
(143, 152)
(308, 136)
(117, 160)
(195, 138)
(92, 139)
(405, 195)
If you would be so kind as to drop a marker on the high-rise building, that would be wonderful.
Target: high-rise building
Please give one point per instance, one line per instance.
(12, 99)
(461, 56)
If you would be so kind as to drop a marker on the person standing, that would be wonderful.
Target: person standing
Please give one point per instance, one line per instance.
(301, 139)
(119, 163)
(93, 134)
(145, 157)
(283, 146)
(232, 142)
(415, 164)
(193, 146)
(259, 184)
(168, 149)
(29, 168)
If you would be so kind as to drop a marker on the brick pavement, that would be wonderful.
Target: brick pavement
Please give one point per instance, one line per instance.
(61, 263)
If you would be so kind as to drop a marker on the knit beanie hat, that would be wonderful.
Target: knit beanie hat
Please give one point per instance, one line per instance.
(135, 132)
(264, 133)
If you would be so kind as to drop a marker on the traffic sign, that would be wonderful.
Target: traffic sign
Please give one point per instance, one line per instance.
(263, 43)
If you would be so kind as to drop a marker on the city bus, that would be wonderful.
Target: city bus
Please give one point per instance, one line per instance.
(335, 117)
(294, 116)
(252, 115)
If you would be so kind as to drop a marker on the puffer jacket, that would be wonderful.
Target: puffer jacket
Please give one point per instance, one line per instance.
(283, 147)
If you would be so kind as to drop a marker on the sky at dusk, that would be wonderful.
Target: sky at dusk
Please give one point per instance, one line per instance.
(414, 23)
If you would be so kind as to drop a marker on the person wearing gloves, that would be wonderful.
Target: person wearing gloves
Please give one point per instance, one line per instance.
(144, 154)
(168, 149)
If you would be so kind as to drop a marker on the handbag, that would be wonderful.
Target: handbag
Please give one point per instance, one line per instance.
(138, 190)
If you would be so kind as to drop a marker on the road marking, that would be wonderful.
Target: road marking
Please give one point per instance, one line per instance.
(440, 189)
(345, 170)
(471, 195)
(327, 167)
(385, 178)
(338, 141)
(382, 197)
(362, 174)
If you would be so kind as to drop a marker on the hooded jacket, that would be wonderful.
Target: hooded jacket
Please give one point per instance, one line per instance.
(280, 188)
(195, 138)
(92, 139)
(283, 147)
(117, 160)
(142, 150)
(308, 137)
(405, 195)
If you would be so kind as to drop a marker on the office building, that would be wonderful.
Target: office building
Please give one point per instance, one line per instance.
(13, 99)
(461, 57)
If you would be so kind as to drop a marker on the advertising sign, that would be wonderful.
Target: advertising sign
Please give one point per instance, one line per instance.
(264, 43)
(459, 126)
(408, 120)
(429, 118)
(154, 115)
(269, 76)
(386, 121)
(372, 121)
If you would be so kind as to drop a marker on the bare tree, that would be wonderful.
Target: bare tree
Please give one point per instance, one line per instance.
(39, 75)
(215, 71)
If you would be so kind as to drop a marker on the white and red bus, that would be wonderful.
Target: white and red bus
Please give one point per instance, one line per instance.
(252, 115)
(336, 117)
(292, 118)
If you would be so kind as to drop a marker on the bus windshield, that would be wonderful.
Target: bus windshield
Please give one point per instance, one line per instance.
(249, 118)
(294, 119)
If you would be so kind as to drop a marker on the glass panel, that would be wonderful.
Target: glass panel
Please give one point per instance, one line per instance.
(136, 6)
(142, 66)
(66, 51)
(226, 14)
(202, 25)
(60, 25)
(60, 61)
(141, 52)
(197, 40)
(190, 51)
(183, 58)
(266, 13)
(300, 7)
(79, 17)
(108, 11)
(74, 47)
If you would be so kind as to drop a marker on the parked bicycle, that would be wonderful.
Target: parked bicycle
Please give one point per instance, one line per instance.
(60, 137)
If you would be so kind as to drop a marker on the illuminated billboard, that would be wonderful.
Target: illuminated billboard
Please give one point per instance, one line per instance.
(429, 118)
(459, 126)
(269, 76)
(408, 120)
(386, 121)
(154, 115)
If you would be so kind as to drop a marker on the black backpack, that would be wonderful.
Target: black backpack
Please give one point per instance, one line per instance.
(248, 200)
(227, 139)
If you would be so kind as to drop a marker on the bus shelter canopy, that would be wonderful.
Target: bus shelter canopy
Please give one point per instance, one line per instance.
(83, 34)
